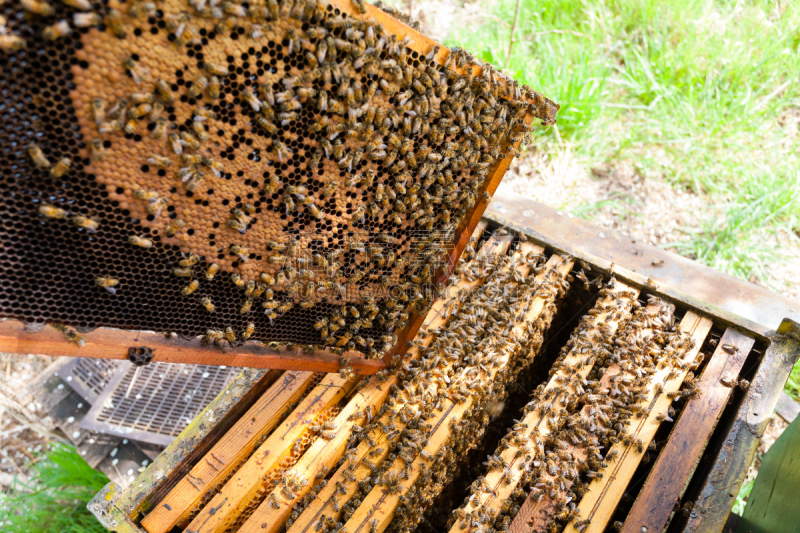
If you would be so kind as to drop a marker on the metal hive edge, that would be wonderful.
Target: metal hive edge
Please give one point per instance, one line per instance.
(114, 508)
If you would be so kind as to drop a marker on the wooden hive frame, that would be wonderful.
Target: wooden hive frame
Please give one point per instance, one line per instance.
(694, 426)
(115, 343)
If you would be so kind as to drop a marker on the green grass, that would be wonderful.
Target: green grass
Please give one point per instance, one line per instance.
(54, 500)
(701, 94)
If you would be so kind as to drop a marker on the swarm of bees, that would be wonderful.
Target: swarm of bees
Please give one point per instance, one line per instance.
(468, 361)
(354, 157)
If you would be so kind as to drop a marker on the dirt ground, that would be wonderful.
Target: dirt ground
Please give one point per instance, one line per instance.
(19, 445)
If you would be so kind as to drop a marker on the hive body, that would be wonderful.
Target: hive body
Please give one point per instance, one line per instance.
(296, 172)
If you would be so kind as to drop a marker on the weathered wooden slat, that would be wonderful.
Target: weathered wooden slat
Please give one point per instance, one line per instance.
(234, 496)
(536, 514)
(599, 503)
(667, 480)
(110, 343)
(229, 451)
(436, 318)
(323, 453)
(378, 507)
(505, 481)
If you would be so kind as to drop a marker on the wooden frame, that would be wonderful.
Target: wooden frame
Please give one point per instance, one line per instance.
(114, 343)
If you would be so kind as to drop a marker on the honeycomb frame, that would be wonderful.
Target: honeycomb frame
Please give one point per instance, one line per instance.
(62, 125)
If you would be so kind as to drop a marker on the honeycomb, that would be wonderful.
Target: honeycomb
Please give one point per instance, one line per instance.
(289, 172)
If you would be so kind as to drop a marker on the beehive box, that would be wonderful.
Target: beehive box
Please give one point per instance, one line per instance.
(545, 393)
(298, 173)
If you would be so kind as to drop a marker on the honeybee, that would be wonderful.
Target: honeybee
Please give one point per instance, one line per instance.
(266, 125)
(86, 20)
(246, 306)
(190, 288)
(38, 156)
(175, 142)
(281, 150)
(216, 70)
(12, 43)
(248, 332)
(107, 283)
(38, 7)
(314, 210)
(189, 261)
(199, 130)
(160, 132)
(284, 308)
(75, 338)
(182, 272)
(198, 86)
(87, 223)
(113, 21)
(140, 241)
(214, 88)
(237, 280)
(57, 30)
(51, 211)
(213, 268)
(130, 126)
(98, 151)
(173, 227)
(189, 140)
(230, 335)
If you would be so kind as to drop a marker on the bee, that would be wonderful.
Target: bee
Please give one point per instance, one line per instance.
(727, 382)
(248, 332)
(213, 88)
(173, 227)
(38, 156)
(198, 86)
(314, 210)
(87, 223)
(140, 111)
(156, 206)
(216, 70)
(246, 306)
(189, 261)
(266, 125)
(130, 126)
(57, 30)
(189, 140)
(190, 288)
(206, 302)
(175, 142)
(75, 338)
(140, 241)
(273, 501)
(107, 283)
(230, 335)
(240, 251)
(38, 7)
(12, 43)
(164, 91)
(160, 132)
(182, 272)
(213, 268)
(237, 280)
(199, 130)
(284, 308)
(136, 71)
(113, 21)
(86, 20)
(744, 384)
(281, 150)
(51, 211)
